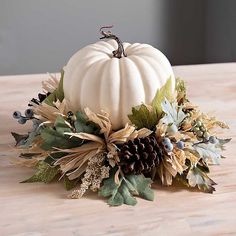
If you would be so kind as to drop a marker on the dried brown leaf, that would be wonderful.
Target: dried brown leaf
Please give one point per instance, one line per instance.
(122, 135)
(51, 84)
(102, 120)
(45, 112)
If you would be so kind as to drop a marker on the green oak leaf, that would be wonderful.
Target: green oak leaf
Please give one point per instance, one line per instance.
(124, 192)
(197, 178)
(57, 94)
(161, 94)
(44, 173)
(142, 117)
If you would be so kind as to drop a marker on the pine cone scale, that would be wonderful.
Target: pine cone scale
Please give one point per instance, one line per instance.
(140, 155)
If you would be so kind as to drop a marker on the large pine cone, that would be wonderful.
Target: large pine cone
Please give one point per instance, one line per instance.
(140, 155)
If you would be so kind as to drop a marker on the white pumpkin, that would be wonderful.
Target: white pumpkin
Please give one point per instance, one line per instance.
(94, 78)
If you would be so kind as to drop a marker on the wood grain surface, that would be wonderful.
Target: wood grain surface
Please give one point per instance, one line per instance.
(40, 209)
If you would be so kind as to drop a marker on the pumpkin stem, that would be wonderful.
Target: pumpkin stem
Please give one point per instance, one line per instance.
(108, 35)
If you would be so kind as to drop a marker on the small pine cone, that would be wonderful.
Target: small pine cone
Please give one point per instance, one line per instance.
(140, 155)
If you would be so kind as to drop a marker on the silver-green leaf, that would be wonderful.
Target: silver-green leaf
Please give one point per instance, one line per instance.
(209, 152)
(173, 113)
(197, 178)
(128, 187)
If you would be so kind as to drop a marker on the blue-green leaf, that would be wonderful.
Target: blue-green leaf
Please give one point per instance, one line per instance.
(173, 113)
(82, 124)
(54, 137)
(128, 187)
(209, 152)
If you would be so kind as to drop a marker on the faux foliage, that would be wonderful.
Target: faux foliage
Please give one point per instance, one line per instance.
(128, 187)
(58, 94)
(44, 173)
(92, 153)
(142, 117)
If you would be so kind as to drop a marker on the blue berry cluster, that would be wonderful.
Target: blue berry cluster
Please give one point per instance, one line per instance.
(168, 146)
(213, 140)
(22, 119)
(29, 115)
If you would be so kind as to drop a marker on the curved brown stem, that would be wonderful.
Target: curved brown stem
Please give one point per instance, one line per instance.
(108, 35)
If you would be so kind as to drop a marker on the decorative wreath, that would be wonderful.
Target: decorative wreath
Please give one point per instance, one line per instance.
(115, 122)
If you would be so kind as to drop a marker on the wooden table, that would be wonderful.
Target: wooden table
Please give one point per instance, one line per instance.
(40, 209)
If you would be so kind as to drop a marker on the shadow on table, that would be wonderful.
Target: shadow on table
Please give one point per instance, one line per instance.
(175, 187)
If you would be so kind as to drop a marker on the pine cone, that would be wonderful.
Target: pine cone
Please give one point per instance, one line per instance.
(140, 155)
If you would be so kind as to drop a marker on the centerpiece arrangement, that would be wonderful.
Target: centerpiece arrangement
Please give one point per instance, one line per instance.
(117, 121)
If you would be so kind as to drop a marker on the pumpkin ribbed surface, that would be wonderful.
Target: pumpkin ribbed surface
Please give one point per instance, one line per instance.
(94, 78)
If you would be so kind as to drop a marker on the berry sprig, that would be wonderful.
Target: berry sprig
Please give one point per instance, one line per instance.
(29, 115)
(200, 130)
(22, 119)
(189, 113)
(168, 145)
